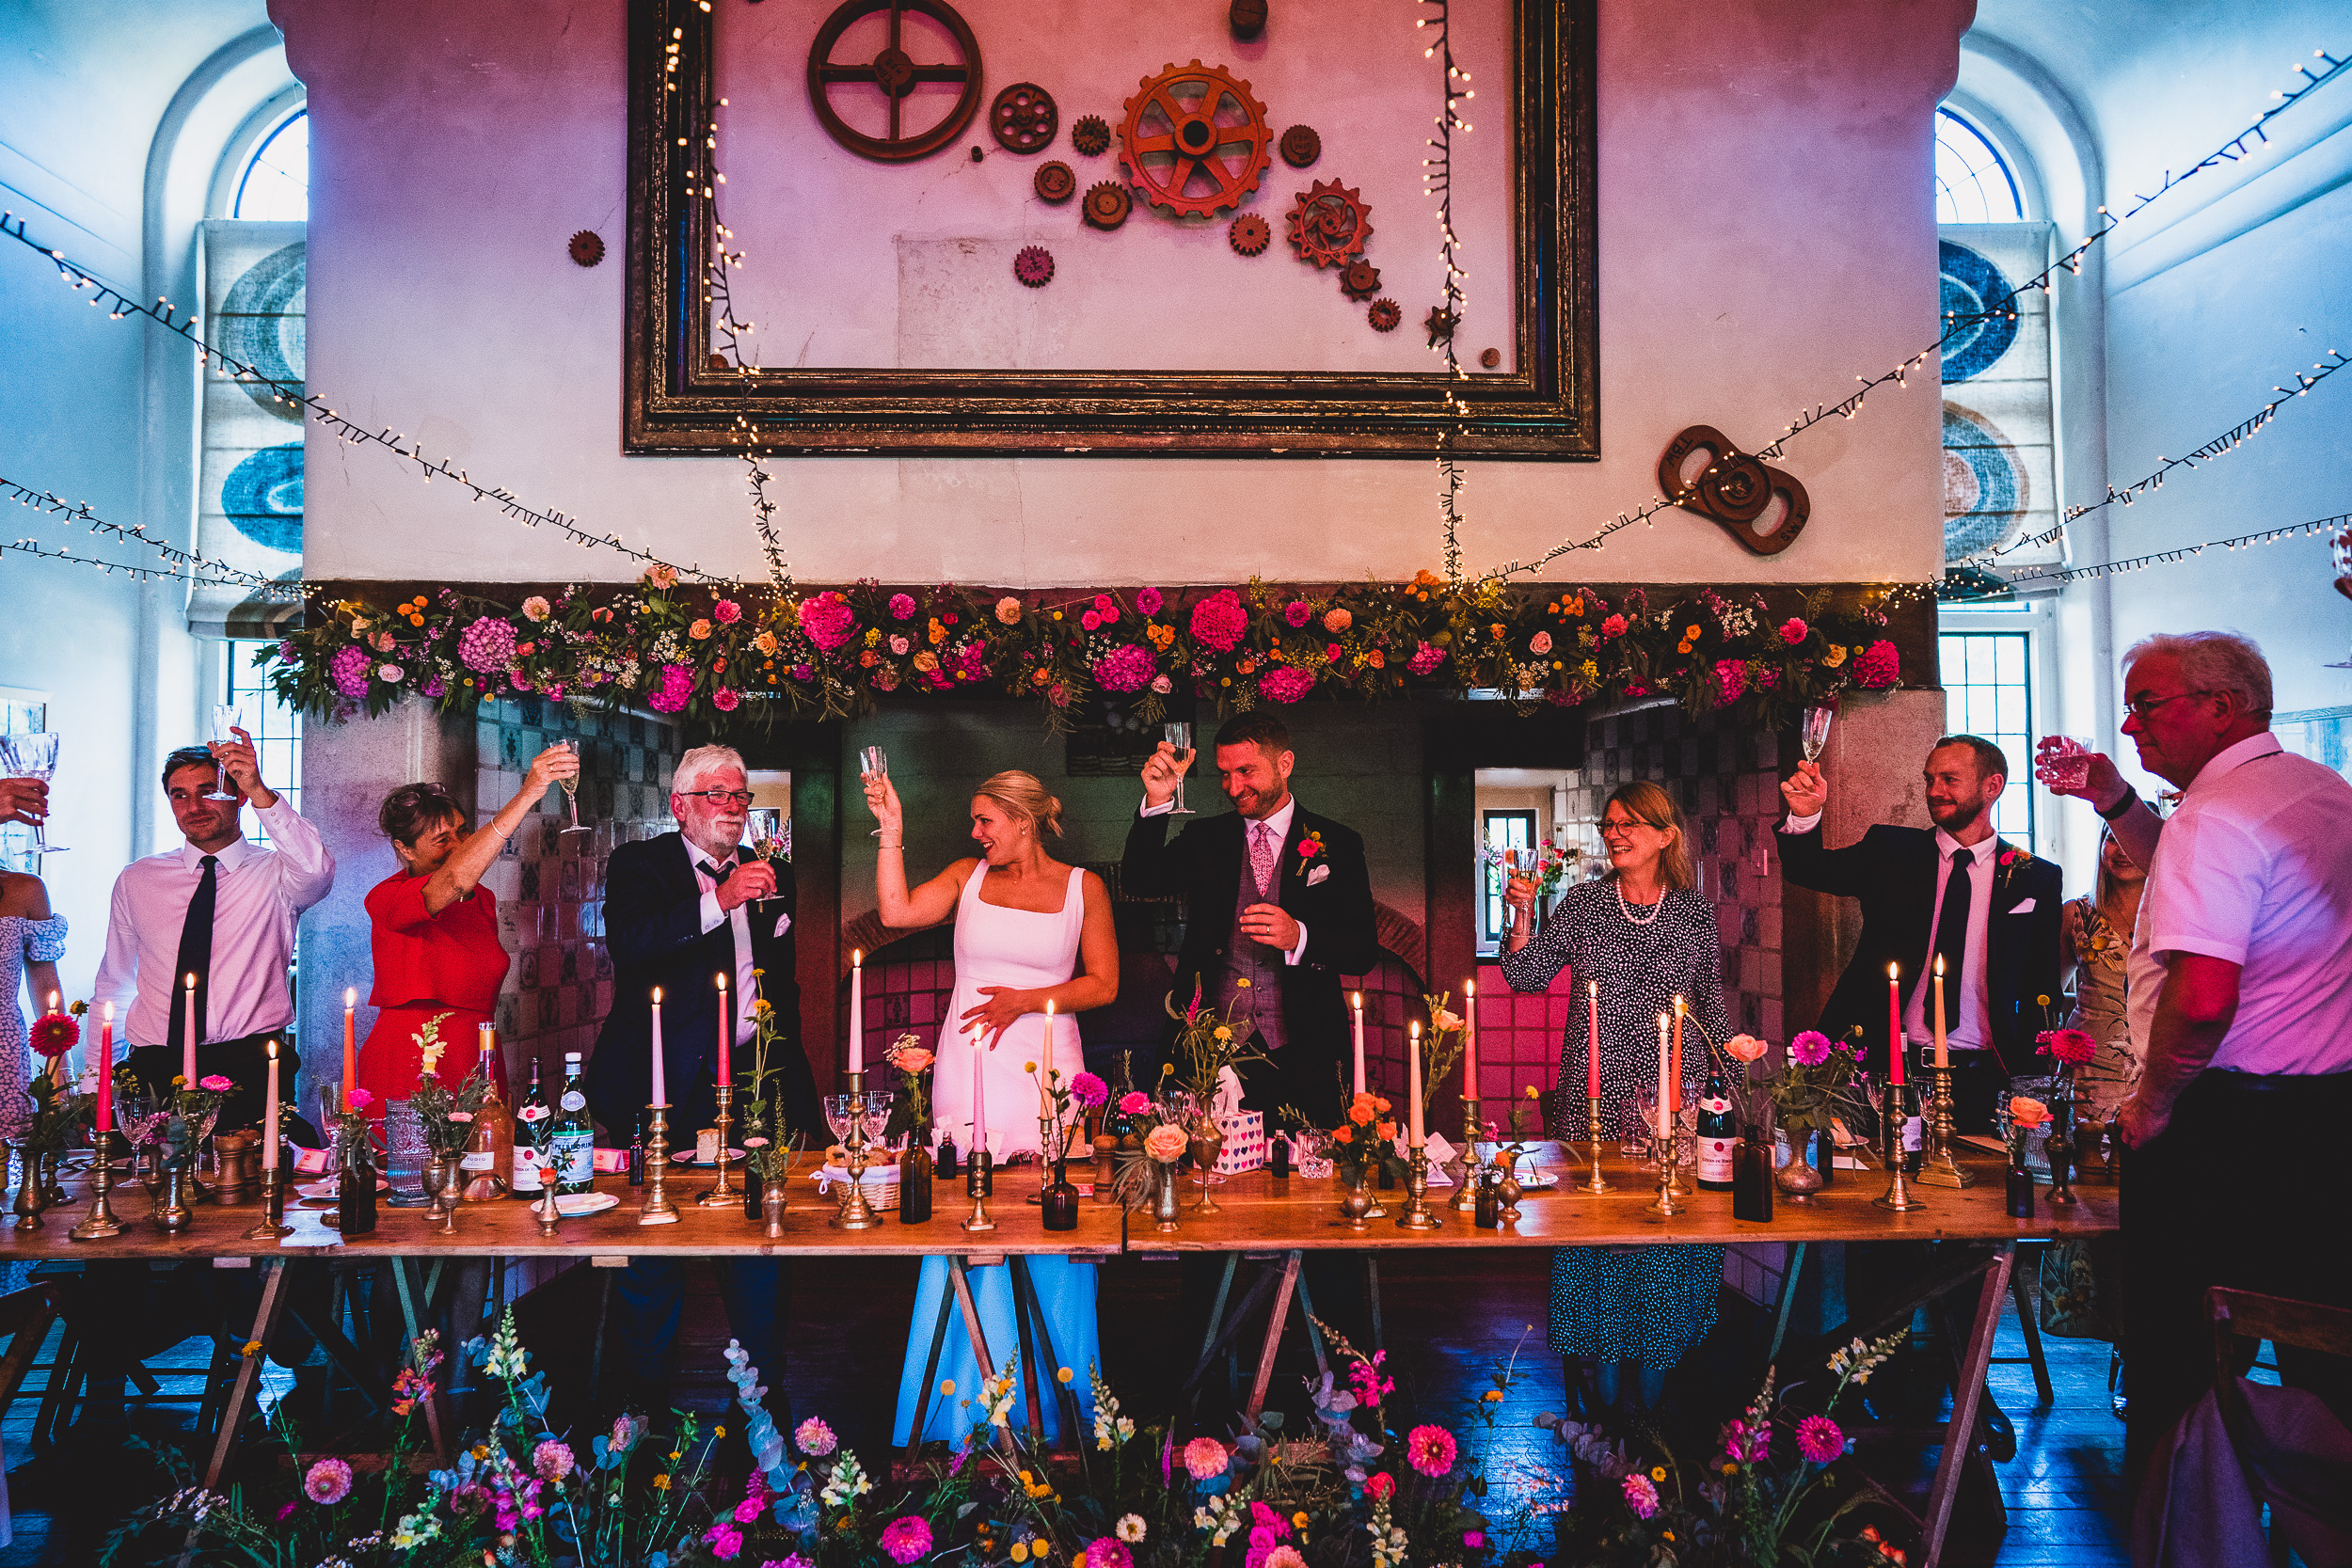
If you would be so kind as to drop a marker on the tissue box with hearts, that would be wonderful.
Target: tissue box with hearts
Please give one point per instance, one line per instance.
(1245, 1142)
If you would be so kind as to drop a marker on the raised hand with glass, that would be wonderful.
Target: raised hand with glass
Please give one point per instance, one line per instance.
(31, 759)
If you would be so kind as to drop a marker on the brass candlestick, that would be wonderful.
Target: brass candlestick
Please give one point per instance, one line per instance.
(979, 1183)
(1669, 1200)
(656, 1209)
(1592, 1130)
(1898, 1196)
(1417, 1216)
(100, 1223)
(272, 1224)
(1937, 1168)
(855, 1214)
(723, 1193)
(1466, 1200)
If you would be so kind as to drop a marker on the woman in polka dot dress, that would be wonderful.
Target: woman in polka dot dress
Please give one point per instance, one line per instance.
(1647, 936)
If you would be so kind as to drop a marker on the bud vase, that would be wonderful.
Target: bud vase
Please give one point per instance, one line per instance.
(1163, 1205)
(354, 1192)
(1798, 1178)
(1059, 1202)
(29, 1198)
(772, 1201)
(2020, 1191)
(914, 1185)
(1752, 1177)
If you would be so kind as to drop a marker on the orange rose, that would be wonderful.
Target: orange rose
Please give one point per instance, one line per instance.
(1342, 1135)
(2028, 1113)
(1165, 1142)
(1386, 1130)
(1360, 1114)
(1378, 1103)
(1744, 1047)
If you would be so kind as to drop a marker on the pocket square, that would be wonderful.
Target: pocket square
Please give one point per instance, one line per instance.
(1317, 874)
(784, 922)
(2025, 908)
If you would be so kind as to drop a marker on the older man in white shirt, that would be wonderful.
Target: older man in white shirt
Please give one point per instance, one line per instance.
(222, 909)
(2241, 985)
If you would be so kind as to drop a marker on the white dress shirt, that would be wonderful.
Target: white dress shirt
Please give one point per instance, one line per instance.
(1279, 823)
(739, 918)
(1964, 1025)
(2253, 869)
(258, 895)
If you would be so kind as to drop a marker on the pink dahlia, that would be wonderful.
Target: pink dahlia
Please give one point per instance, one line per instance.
(1878, 665)
(1125, 668)
(671, 691)
(1285, 683)
(1641, 1496)
(552, 1460)
(1205, 1457)
(1818, 1439)
(828, 619)
(1088, 1090)
(815, 1438)
(1380, 1487)
(1792, 631)
(1425, 658)
(1810, 1049)
(327, 1483)
(1108, 1551)
(349, 670)
(1298, 612)
(1613, 626)
(2073, 1047)
(906, 1537)
(487, 646)
(1430, 1450)
(902, 606)
(724, 699)
(1148, 600)
(1731, 681)
(1219, 621)
(725, 1540)
(1539, 643)
(1134, 1102)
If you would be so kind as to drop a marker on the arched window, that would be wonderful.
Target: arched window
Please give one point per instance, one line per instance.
(1973, 181)
(274, 186)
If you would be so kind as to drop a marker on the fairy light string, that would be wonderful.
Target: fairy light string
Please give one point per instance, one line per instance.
(1438, 177)
(179, 562)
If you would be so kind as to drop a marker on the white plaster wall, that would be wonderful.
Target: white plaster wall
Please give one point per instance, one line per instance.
(1766, 235)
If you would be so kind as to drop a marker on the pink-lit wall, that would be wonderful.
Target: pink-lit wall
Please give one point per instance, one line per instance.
(1765, 235)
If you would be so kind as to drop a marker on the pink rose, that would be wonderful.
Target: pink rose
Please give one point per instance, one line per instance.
(1380, 1487)
(1539, 643)
(902, 606)
(1162, 685)
(1090, 621)
(1792, 631)
(361, 1100)
(1149, 601)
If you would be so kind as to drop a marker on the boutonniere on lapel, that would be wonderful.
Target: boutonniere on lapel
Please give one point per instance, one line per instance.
(2010, 861)
(1311, 864)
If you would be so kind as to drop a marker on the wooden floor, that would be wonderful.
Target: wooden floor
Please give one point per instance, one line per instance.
(1449, 1321)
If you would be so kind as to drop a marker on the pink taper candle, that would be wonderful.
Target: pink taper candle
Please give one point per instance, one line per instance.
(980, 1103)
(660, 1078)
(857, 1009)
(726, 1033)
(1895, 1025)
(269, 1113)
(1592, 1040)
(1412, 1083)
(1469, 1042)
(188, 1041)
(1045, 1066)
(1360, 1042)
(1665, 1105)
(105, 1110)
(1941, 1059)
(351, 1048)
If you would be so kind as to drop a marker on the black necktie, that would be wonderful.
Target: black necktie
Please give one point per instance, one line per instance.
(196, 958)
(1952, 936)
(719, 873)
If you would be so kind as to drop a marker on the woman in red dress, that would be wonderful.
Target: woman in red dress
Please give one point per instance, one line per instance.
(436, 931)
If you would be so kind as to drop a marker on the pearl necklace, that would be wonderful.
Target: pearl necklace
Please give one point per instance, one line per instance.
(1628, 908)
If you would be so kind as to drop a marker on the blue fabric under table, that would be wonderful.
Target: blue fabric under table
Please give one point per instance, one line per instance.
(1066, 1290)
(1646, 1304)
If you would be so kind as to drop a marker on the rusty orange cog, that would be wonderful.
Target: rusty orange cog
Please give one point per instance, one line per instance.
(1194, 141)
(1329, 224)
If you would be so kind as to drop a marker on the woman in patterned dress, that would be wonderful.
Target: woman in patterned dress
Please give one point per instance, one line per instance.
(32, 939)
(2094, 938)
(1647, 936)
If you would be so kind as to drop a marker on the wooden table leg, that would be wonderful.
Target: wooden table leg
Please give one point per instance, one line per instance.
(970, 1308)
(248, 1370)
(1275, 1319)
(1967, 1393)
(1371, 1293)
(931, 1373)
(1788, 1300)
(1314, 1331)
(2022, 1282)
(1024, 1299)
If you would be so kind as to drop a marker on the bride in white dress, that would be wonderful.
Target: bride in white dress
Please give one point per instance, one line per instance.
(1029, 930)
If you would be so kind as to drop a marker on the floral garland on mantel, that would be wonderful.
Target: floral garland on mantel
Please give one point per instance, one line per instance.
(831, 652)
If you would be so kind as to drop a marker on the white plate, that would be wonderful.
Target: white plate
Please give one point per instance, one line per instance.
(329, 1190)
(571, 1206)
(686, 1157)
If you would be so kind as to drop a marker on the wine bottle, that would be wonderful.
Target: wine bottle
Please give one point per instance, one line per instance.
(637, 1153)
(529, 1114)
(574, 1140)
(1913, 1138)
(1718, 1132)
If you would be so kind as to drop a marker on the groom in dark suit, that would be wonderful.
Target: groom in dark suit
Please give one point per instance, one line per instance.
(1274, 896)
(680, 911)
(1988, 907)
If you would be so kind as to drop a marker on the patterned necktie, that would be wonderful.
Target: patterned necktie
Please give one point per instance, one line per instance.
(194, 957)
(1261, 848)
(1951, 933)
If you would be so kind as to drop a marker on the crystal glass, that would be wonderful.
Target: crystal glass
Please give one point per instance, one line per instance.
(1637, 1125)
(32, 756)
(840, 1110)
(1815, 735)
(228, 718)
(404, 1148)
(878, 1114)
(571, 791)
(873, 763)
(1180, 738)
(2062, 762)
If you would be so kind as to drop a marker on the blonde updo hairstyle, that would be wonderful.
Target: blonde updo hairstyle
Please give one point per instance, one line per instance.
(1023, 798)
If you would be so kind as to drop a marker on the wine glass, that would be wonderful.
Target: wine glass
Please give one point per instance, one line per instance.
(1815, 735)
(228, 718)
(873, 763)
(841, 1112)
(1180, 738)
(32, 756)
(878, 1115)
(571, 792)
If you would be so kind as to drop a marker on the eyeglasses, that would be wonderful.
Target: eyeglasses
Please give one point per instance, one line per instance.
(2141, 707)
(1620, 825)
(718, 797)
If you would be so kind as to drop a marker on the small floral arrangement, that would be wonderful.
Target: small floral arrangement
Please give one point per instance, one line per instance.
(911, 1113)
(1207, 1042)
(769, 1146)
(53, 1109)
(1364, 1142)
(1442, 1048)
(447, 1113)
(2026, 1117)
(2069, 1048)
(1816, 1088)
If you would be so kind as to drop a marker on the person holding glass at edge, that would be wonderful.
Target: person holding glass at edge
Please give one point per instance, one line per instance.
(434, 932)
(1028, 929)
(1646, 935)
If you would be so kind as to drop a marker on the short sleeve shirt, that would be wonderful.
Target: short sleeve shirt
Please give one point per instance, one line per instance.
(2255, 868)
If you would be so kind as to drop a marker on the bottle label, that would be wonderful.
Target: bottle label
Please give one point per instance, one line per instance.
(576, 1158)
(526, 1172)
(478, 1160)
(1716, 1106)
(1715, 1158)
(1912, 1140)
(574, 1100)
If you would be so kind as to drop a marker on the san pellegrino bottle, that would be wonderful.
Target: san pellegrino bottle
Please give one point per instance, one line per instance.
(574, 1140)
(1718, 1132)
(528, 1115)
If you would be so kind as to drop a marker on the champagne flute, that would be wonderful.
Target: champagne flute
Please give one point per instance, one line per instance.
(873, 763)
(571, 792)
(228, 718)
(1180, 738)
(1815, 735)
(32, 756)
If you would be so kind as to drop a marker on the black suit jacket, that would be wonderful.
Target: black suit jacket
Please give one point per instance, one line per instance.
(1892, 871)
(653, 921)
(1203, 866)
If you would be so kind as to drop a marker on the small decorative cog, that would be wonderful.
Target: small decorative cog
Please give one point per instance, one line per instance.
(587, 247)
(1091, 136)
(1384, 315)
(1194, 141)
(1329, 224)
(1023, 118)
(1361, 280)
(1107, 204)
(1440, 323)
(1034, 266)
(1250, 234)
(1301, 146)
(1054, 183)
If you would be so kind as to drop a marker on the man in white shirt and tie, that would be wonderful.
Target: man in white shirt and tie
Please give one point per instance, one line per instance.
(220, 908)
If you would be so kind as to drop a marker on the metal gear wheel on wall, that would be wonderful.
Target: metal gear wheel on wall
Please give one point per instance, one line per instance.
(1054, 183)
(1107, 204)
(1329, 224)
(1301, 146)
(1250, 234)
(1091, 136)
(1361, 280)
(1194, 141)
(1384, 315)
(1034, 266)
(1440, 323)
(1024, 119)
